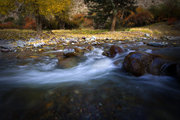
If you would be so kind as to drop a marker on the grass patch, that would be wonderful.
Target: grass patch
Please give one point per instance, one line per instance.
(157, 29)
(144, 30)
(80, 31)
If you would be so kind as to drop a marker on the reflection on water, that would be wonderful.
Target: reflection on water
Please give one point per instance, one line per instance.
(94, 89)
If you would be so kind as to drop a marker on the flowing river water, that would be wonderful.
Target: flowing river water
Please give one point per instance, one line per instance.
(95, 89)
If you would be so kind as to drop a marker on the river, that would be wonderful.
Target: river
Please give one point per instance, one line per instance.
(95, 89)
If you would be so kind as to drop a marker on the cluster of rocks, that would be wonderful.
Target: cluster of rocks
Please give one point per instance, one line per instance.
(140, 63)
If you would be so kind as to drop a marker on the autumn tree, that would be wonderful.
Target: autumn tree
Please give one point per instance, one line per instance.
(102, 10)
(6, 6)
(38, 8)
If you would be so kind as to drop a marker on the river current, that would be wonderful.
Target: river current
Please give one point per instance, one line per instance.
(94, 89)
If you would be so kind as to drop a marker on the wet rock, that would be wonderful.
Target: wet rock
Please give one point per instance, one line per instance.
(137, 63)
(21, 43)
(78, 50)
(67, 62)
(171, 69)
(164, 38)
(147, 35)
(32, 40)
(84, 38)
(87, 39)
(71, 54)
(113, 51)
(158, 66)
(89, 48)
(93, 38)
(157, 44)
(4, 49)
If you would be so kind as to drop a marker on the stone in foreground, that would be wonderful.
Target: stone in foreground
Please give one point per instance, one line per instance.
(140, 63)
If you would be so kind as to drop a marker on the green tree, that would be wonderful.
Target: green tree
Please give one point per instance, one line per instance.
(103, 10)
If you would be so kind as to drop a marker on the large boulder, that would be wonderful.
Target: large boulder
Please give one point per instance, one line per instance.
(139, 63)
(113, 51)
(158, 65)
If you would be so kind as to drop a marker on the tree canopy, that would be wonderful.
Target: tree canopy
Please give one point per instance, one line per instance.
(37, 8)
(102, 10)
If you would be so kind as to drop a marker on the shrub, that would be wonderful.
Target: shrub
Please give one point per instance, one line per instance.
(171, 21)
(87, 22)
(29, 23)
(79, 18)
(82, 21)
(140, 18)
(9, 19)
(7, 25)
(169, 9)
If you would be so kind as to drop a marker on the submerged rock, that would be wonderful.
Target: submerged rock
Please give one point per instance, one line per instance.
(113, 51)
(4, 49)
(68, 62)
(139, 63)
(157, 44)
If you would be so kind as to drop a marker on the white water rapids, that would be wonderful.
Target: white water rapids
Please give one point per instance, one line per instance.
(46, 72)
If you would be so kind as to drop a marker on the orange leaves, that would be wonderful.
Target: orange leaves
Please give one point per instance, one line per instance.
(30, 23)
(140, 18)
(7, 25)
(82, 20)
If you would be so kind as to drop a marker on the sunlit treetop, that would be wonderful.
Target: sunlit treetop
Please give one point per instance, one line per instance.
(47, 7)
(6, 6)
(43, 7)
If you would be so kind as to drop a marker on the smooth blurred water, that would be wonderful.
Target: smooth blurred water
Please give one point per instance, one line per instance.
(94, 89)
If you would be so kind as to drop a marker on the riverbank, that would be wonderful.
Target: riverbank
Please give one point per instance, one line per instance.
(157, 30)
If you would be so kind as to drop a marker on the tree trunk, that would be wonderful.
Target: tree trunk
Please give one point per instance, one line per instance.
(38, 24)
(113, 25)
(37, 18)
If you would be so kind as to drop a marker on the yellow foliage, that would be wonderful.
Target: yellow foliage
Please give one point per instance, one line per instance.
(43, 7)
(6, 6)
(140, 9)
(48, 7)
